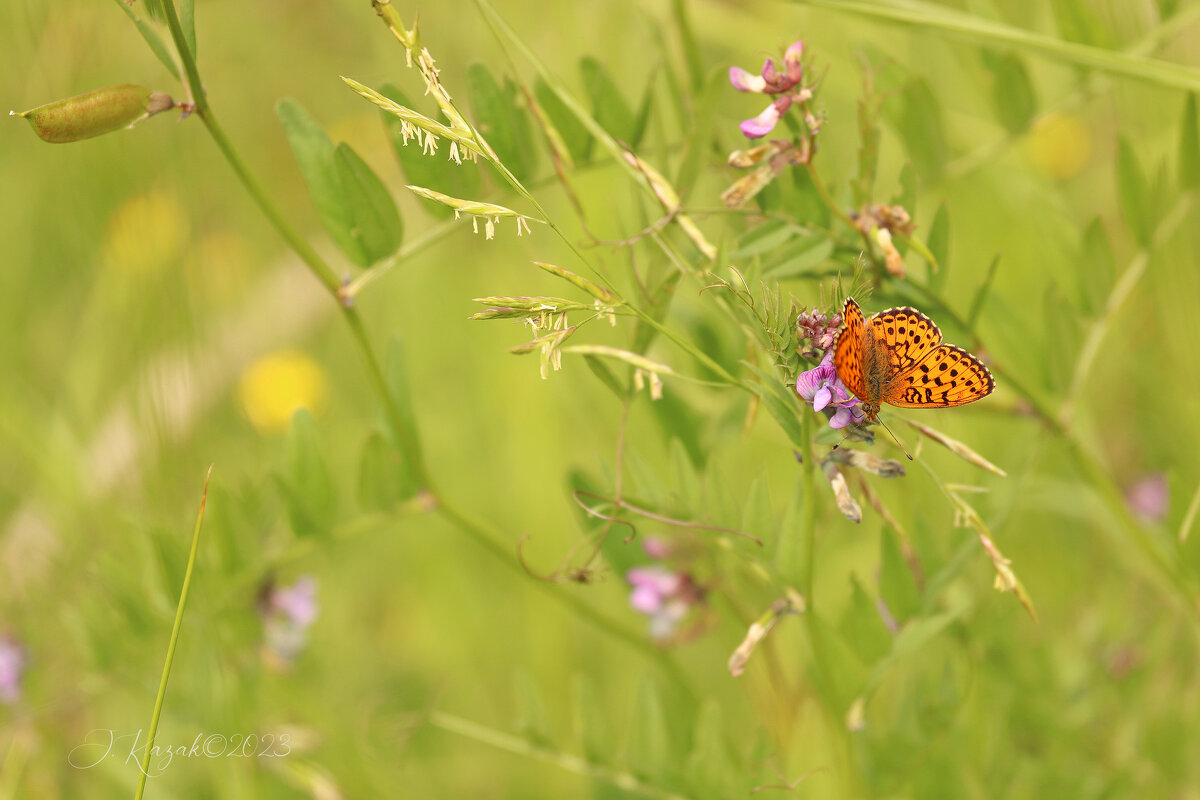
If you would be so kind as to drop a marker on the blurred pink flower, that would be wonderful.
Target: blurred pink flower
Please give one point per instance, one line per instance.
(287, 613)
(1149, 498)
(656, 547)
(12, 664)
(663, 596)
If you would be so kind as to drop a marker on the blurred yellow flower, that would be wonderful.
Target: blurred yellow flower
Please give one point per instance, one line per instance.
(1059, 145)
(276, 386)
(145, 233)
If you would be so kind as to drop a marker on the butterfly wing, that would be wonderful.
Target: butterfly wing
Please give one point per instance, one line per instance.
(908, 336)
(848, 349)
(946, 376)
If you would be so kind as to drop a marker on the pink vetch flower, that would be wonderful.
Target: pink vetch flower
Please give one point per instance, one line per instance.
(656, 547)
(783, 84)
(819, 330)
(1150, 498)
(13, 660)
(665, 597)
(288, 612)
(823, 389)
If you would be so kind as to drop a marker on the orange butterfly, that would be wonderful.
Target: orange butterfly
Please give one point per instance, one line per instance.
(897, 357)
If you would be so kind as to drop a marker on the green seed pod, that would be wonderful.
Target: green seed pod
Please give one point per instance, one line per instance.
(94, 113)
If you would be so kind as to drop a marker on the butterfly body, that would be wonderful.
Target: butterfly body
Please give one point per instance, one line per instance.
(898, 357)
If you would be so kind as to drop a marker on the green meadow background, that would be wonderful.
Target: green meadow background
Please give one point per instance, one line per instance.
(152, 324)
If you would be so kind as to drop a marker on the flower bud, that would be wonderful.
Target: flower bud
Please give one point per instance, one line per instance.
(94, 113)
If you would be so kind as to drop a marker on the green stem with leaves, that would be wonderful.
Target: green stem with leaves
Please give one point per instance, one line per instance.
(406, 436)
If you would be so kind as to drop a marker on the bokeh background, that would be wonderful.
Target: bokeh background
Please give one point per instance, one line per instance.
(154, 324)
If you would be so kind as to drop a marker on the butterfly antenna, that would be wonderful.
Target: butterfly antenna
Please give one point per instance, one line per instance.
(845, 436)
(896, 439)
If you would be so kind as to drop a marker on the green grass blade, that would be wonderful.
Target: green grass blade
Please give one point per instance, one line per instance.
(990, 33)
(152, 39)
(166, 673)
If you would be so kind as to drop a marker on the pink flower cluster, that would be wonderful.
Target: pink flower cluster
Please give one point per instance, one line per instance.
(783, 84)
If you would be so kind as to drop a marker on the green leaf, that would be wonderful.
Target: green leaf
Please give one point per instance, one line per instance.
(644, 481)
(757, 519)
(377, 225)
(914, 638)
(1133, 194)
(687, 38)
(573, 132)
(710, 768)
(770, 199)
(722, 507)
(150, 36)
(603, 371)
(657, 303)
(790, 548)
(688, 491)
(1078, 22)
(314, 154)
(643, 113)
(697, 143)
(608, 106)
(505, 126)
(1096, 268)
(941, 18)
(765, 238)
(786, 414)
(620, 555)
(649, 751)
(809, 205)
(840, 674)
(1189, 146)
(406, 441)
(863, 184)
(917, 117)
(532, 722)
(384, 480)
(154, 9)
(1013, 94)
(863, 627)
(800, 257)
(432, 172)
(680, 422)
(1064, 328)
(308, 490)
(982, 292)
(590, 721)
(897, 587)
(187, 21)
(938, 243)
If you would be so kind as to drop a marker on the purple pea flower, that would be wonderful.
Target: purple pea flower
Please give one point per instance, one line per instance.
(823, 389)
(12, 664)
(1150, 498)
(663, 596)
(287, 613)
(783, 84)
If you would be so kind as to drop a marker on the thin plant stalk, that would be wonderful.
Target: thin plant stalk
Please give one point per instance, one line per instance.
(175, 629)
